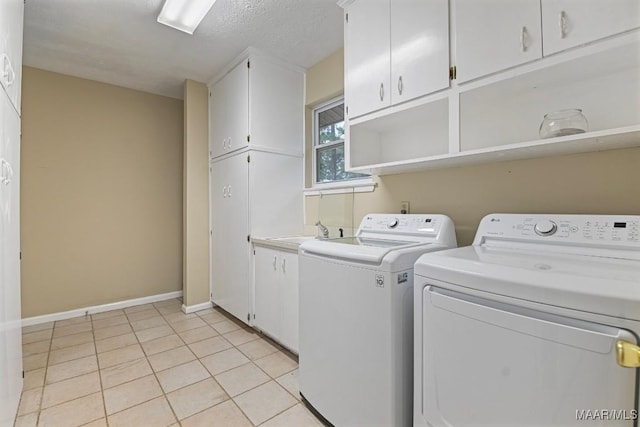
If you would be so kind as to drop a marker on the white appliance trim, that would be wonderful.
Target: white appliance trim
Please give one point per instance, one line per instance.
(36, 320)
(188, 309)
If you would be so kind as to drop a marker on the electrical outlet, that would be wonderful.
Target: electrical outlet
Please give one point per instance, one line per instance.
(404, 207)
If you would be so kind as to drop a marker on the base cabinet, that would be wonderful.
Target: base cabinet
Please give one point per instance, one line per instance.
(276, 294)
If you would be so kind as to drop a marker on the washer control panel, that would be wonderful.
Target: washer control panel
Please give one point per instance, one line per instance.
(607, 229)
(402, 224)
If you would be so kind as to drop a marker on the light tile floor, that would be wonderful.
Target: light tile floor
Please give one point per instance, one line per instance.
(152, 365)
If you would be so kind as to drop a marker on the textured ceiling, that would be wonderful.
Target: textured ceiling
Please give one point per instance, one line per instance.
(120, 42)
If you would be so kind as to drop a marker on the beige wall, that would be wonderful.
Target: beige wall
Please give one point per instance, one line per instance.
(598, 183)
(195, 248)
(101, 193)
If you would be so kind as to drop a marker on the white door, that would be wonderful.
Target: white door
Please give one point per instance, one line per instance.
(229, 112)
(276, 105)
(266, 264)
(230, 253)
(230, 248)
(276, 182)
(419, 48)
(289, 299)
(218, 124)
(11, 23)
(367, 56)
(494, 35)
(569, 23)
(10, 313)
(507, 365)
(219, 232)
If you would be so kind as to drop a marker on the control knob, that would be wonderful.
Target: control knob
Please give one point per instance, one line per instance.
(545, 228)
(393, 223)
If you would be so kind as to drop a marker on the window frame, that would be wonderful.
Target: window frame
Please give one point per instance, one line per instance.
(315, 147)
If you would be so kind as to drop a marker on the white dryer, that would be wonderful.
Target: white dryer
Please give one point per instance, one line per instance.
(536, 324)
(356, 318)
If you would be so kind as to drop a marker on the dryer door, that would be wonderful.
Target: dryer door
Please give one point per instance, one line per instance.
(489, 363)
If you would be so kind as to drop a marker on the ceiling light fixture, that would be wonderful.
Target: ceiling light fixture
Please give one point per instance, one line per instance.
(184, 15)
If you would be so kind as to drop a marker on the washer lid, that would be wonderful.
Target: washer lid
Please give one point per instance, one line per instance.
(594, 284)
(359, 249)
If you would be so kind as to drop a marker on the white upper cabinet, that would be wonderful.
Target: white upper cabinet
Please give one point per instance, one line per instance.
(395, 51)
(367, 56)
(257, 104)
(570, 23)
(419, 48)
(11, 24)
(229, 111)
(493, 35)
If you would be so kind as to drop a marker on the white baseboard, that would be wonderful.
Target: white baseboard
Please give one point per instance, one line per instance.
(196, 307)
(98, 308)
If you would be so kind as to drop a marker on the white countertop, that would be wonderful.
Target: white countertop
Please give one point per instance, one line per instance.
(289, 243)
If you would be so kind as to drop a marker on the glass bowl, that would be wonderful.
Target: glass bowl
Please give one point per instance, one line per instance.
(563, 123)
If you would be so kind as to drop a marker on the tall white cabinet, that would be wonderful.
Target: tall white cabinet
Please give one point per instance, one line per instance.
(256, 176)
(11, 18)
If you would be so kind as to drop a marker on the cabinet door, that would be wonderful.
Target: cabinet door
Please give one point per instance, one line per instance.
(219, 230)
(230, 248)
(419, 48)
(10, 315)
(266, 283)
(11, 23)
(289, 300)
(569, 23)
(229, 112)
(493, 35)
(367, 56)
(218, 129)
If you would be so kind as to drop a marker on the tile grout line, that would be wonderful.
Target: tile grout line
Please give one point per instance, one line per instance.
(46, 372)
(104, 403)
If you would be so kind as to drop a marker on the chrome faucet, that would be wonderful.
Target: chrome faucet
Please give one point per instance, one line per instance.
(324, 230)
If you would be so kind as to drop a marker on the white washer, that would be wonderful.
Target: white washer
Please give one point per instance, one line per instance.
(356, 318)
(536, 324)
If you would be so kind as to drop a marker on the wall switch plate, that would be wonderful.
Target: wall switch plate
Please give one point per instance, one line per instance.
(404, 207)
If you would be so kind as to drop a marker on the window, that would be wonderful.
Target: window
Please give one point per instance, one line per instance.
(328, 144)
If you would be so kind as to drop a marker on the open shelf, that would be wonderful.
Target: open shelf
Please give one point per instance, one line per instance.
(612, 139)
(605, 85)
(422, 131)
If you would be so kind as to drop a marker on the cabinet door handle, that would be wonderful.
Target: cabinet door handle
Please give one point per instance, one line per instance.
(563, 24)
(275, 261)
(8, 74)
(229, 142)
(400, 85)
(284, 265)
(224, 192)
(224, 144)
(229, 191)
(9, 177)
(523, 39)
(381, 91)
(3, 174)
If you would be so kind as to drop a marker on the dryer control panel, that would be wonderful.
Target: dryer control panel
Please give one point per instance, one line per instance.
(604, 230)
